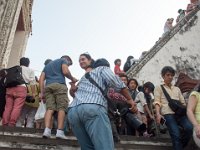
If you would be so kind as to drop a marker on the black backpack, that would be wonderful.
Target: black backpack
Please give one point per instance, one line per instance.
(14, 77)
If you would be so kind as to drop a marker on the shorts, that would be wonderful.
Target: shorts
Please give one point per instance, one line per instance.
(56, 97)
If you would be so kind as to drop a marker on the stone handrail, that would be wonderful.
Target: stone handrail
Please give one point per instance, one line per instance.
(159, 44)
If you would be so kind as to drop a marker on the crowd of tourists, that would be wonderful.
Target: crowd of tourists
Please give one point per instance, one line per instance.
(106, 103)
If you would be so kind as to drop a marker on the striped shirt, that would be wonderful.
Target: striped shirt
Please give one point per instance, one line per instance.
(89, 93)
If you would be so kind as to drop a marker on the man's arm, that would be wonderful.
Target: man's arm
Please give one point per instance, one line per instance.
(130, 101)
(41, 84)
(73, 89)
(67, 73)
(157, 103)
(158, 115)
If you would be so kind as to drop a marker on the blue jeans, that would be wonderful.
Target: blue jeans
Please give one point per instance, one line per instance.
(179, 139)
(91, 126)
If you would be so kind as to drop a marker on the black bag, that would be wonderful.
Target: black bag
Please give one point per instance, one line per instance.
(175, 105)
(30, 99)
(13, 77)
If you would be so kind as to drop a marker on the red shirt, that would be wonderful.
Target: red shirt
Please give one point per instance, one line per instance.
(117, 70)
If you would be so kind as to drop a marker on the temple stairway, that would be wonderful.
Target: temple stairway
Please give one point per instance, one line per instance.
(31, 139)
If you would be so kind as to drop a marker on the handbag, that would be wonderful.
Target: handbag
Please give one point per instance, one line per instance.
(39, 116)
(175, 105)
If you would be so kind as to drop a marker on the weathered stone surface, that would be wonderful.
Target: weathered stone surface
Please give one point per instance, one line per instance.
(14, 16)
(179, 48)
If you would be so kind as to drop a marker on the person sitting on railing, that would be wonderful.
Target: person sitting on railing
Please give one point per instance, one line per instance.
(142, 55)
(117, 69)
(190, 8)
(181, 15)
(168, 25)
(129, 62)
(196, 3)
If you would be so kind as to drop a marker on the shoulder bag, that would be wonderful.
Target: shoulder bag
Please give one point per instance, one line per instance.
(175, 105)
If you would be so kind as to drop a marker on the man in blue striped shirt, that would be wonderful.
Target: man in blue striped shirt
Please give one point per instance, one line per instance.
(88, 111)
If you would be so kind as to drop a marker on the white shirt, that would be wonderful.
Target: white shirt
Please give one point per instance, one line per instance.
(28, 75)
(141, 101)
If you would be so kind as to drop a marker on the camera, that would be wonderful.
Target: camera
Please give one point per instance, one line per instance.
(30, 99)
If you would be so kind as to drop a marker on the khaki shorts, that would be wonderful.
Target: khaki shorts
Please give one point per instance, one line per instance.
(56, 96)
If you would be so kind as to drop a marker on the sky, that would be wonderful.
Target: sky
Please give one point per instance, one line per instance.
(108, 29)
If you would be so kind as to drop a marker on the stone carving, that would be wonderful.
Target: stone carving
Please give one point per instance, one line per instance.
(6, 27)
(159, 44)
(185, 83)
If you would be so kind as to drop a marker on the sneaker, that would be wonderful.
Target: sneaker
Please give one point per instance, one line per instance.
(47, 133)
(147, 135)
(60, 135)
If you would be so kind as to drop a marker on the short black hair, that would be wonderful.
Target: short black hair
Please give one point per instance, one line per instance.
(24, 61)
(123, 75)
(116, 60)
(87, 56)
(167, 69)
(68, 58)
(149, 85)
(47, 61)
(101, 62)
(132, 79)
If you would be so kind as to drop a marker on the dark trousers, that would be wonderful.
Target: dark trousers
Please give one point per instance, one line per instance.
(174, 124)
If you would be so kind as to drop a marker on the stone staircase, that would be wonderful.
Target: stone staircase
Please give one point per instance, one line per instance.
(31, 139)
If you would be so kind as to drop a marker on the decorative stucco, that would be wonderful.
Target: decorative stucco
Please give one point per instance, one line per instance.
(10, 11)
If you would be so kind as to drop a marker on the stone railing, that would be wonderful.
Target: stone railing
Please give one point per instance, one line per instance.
(180, 27)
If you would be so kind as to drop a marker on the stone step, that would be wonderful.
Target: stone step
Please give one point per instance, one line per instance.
(26, 139)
